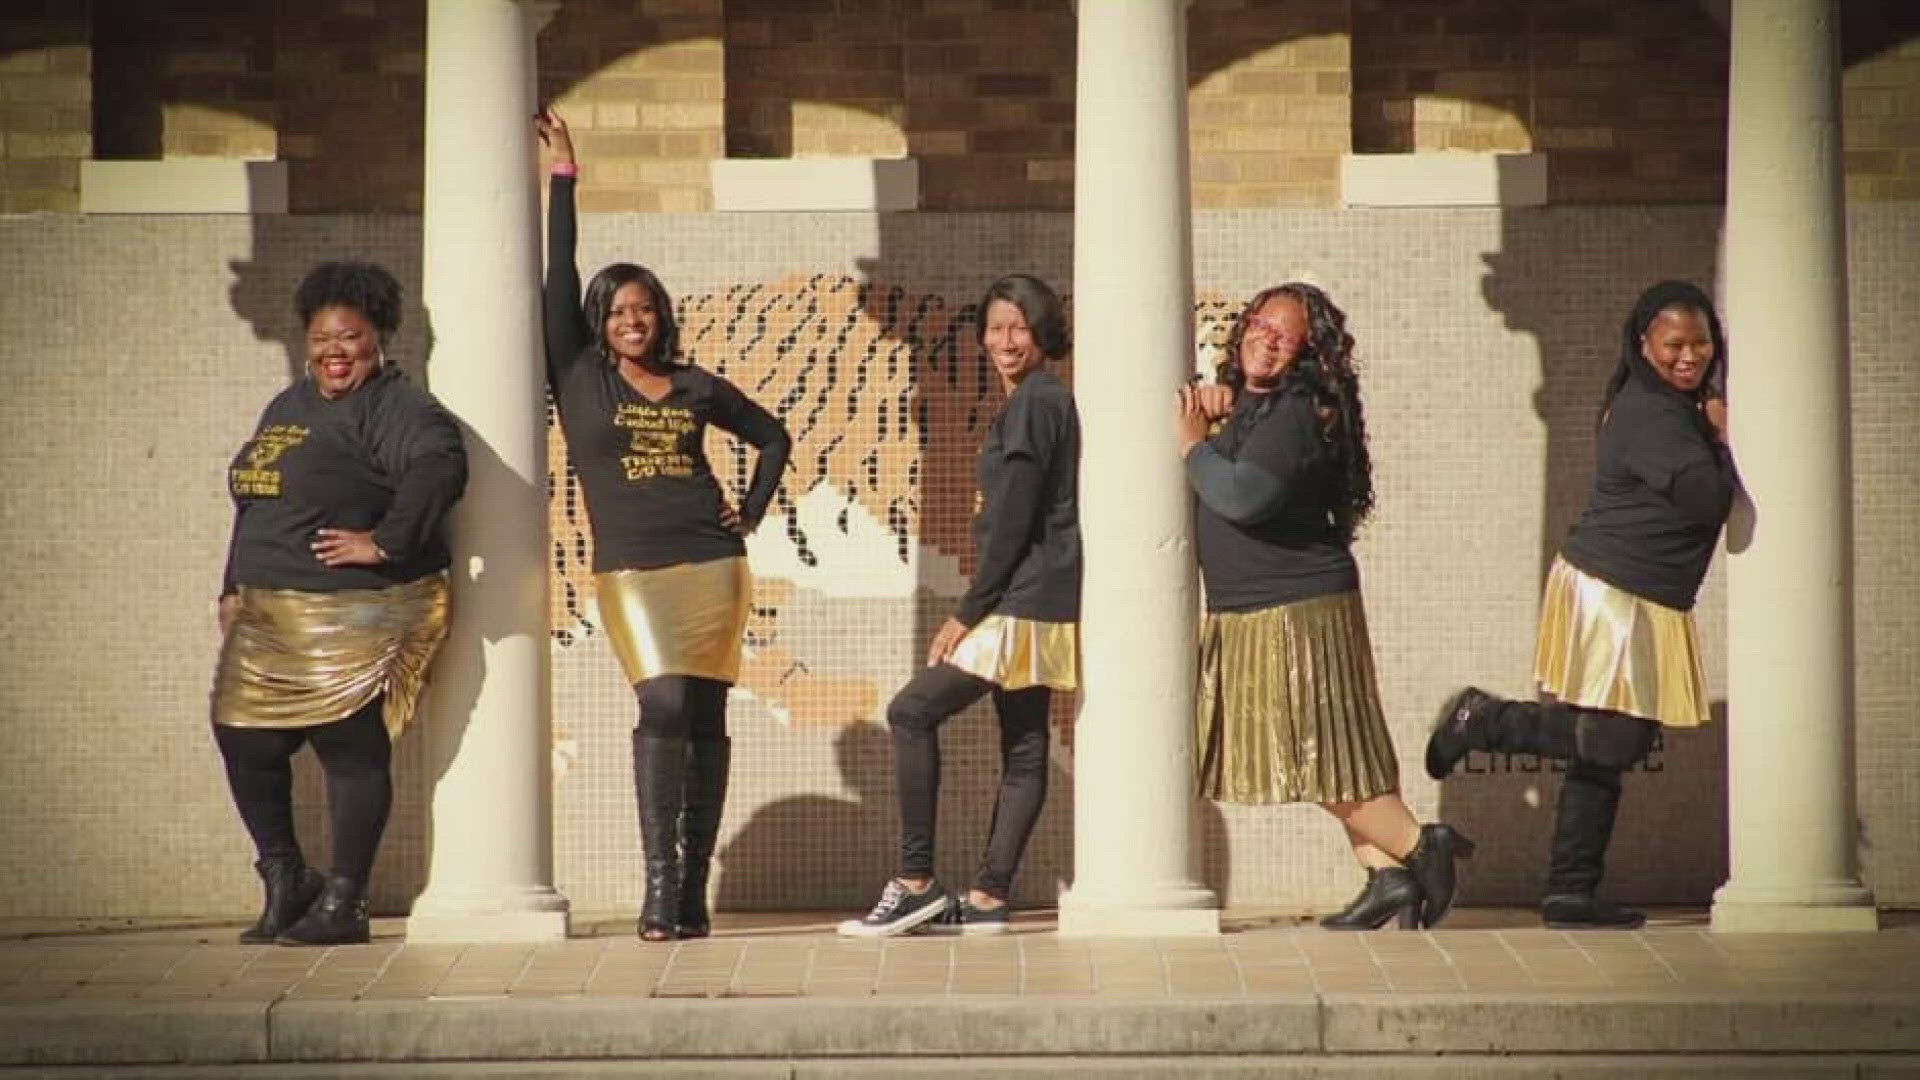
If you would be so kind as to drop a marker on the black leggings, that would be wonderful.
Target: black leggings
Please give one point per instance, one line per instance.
(929, 699)
(357, 756)
(682, 707)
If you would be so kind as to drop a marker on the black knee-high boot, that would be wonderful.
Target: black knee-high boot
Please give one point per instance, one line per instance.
(659, 782)
(1476, 720)
(708, 763)
(1582, 829)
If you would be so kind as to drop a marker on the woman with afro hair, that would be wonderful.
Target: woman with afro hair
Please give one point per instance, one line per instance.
(334, 598)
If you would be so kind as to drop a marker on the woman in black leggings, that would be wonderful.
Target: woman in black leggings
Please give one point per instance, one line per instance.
(1617, 656)
(1015, 632)
(335, 597)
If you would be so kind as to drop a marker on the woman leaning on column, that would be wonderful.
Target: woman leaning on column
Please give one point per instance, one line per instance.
(1288, 708)
(669, 561)
(335, 597)
(1617, 656)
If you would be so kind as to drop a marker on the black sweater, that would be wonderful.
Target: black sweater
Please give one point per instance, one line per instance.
(1662, 487)
(1263, 520)
(385, 457)
(1026, 536)
(652, 498)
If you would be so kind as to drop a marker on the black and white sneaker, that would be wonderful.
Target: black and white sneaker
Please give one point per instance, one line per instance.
(963, 918)
(899, 911)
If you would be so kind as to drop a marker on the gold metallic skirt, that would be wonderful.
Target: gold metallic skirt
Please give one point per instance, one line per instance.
(1015, 653)
(1289, 708)
(1605, 648)
(684, 619)
(301, 659)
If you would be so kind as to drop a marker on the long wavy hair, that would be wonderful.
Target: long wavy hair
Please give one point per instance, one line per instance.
(1324, 369)
(598, 303)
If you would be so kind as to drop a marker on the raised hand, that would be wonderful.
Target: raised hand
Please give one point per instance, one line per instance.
(554, 135)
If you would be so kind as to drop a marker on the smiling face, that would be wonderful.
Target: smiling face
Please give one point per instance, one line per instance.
(343, 350)
(633, 323)
(1009, 342)
(1270, 340)
(1678, 344)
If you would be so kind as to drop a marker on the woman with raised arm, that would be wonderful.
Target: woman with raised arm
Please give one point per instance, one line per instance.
(335, 597)
(1014, 635)
(1617, 655)
(669, 562)
(1289, 709)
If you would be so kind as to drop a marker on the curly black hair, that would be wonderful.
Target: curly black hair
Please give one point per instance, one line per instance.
(1324, 368)
(1046, 316)
(598, 303)
(363, 286)
(1667, 296)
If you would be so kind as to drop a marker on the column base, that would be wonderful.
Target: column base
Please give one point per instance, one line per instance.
(1830, 907)
(1181, 912)
(532, 914)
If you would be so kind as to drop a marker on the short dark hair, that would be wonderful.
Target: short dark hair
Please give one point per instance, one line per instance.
(1046, 316)
(363, 286)
(599, 303)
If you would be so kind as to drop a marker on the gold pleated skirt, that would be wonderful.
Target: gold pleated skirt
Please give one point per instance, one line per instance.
(1605, 648)
(1015, 653)
(300, 659)
(684, 619)
(1289, 707)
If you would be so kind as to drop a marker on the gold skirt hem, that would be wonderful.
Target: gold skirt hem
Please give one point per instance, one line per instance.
(1015, 653)
(684, 619)
(301, 659)
(1288, 708)
(1601, 647)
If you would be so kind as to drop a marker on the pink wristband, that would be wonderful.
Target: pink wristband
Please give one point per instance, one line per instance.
(565, 168)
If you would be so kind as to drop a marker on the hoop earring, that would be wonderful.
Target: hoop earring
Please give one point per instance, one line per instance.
(379, 358)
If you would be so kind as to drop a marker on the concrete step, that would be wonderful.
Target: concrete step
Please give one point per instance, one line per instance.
(1307, 1031)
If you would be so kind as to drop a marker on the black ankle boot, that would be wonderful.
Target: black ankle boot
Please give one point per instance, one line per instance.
(291, 888)
(660, 776)
(1585, 911)
(708, 763)
(339, 917)
(1389, 891)
(1432, 862)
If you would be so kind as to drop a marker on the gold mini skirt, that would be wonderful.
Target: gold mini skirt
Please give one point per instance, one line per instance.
(1015, 653)
(684, 619)
(1288, 708)
(300, 659)
(1605, 648)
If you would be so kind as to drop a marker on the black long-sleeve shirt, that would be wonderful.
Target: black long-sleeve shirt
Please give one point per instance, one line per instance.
(1263, 519)
(1662, 487)
(652, 498)
(385, 457)
(1026, 537)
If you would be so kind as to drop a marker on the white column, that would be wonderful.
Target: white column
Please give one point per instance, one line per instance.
(1791, 809)
(491, 877)
(1133, 849)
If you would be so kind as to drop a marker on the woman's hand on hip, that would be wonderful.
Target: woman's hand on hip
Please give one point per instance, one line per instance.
(945, 640)
(345, 547)
(227, 611)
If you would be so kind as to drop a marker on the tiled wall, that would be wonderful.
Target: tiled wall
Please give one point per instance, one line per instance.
(137, 352)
